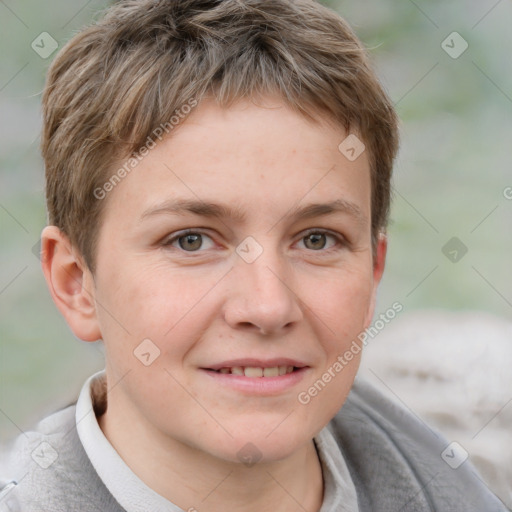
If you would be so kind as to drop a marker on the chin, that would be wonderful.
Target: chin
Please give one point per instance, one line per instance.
(268, 446)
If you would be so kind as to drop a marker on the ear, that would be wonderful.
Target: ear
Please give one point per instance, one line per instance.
(70, 282)
(379, 263)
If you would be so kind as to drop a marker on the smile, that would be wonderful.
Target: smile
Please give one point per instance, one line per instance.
(256, 371)
(258, 377)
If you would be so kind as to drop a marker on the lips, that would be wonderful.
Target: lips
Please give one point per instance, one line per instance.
(257, 377)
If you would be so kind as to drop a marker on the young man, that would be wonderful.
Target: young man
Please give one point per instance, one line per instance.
(218, 186)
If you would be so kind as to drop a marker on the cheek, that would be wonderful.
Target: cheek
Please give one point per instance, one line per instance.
(342, 303)
(156, 303)
(138, 295)
(131, 308)
(341, 312)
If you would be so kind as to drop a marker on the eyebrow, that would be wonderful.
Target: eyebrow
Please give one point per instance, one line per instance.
(223, 211)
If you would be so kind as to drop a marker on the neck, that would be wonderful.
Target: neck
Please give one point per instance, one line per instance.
(193, 480)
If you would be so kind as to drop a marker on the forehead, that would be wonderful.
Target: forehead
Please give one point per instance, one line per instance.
(247, 159)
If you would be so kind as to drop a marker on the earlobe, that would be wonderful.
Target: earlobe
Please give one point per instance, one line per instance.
(70, 283)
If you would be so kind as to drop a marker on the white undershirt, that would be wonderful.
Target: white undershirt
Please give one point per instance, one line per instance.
(135, 496)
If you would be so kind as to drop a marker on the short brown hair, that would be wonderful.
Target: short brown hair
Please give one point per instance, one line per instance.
(120, 78)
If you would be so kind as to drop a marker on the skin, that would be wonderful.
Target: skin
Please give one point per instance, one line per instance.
(304, 297)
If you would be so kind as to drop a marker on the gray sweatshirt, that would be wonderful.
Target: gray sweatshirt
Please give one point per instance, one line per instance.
(375, 457)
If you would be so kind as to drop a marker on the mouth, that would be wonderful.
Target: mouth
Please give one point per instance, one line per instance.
(258, 377)
(257, 368)
(256, 371)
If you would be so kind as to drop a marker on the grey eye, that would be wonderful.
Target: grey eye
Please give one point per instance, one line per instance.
(190, 242)
(315, 241)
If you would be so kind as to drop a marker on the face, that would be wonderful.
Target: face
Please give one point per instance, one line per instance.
(240, 250)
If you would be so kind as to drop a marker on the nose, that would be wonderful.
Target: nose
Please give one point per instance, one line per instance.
(261, 297)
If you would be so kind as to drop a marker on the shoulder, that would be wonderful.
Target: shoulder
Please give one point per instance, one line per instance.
(36, 444)
(25, 460)
(48, 469)
(396, 459)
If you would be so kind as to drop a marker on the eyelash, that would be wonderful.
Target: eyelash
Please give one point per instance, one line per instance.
(341, 241)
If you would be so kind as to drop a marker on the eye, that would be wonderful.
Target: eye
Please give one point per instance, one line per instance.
(317, 240)
(190, 241)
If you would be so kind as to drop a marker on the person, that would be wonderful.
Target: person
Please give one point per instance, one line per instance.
(218, 187)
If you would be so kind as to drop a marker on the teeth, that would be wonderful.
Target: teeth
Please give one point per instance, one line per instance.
(271, 372)
(255, 371)
(251, 371)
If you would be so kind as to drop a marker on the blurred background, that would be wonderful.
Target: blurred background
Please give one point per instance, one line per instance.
(447, 67)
